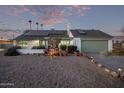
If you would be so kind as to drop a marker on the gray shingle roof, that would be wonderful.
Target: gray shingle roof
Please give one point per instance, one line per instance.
(90, 34)
(40, 34)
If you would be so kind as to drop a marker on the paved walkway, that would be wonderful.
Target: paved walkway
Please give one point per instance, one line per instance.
(41, 71)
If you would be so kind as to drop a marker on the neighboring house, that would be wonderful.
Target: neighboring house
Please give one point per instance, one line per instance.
(85, 40)
(119, 39)
(4, 44)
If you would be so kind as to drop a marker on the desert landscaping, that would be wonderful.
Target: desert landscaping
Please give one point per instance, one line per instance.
(42, 71)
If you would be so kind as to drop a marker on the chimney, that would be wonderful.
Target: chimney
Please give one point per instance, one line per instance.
(68, 31)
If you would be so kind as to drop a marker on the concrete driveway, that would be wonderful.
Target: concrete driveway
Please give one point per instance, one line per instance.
(112, 62)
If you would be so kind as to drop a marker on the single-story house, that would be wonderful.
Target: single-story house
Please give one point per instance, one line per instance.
(119, 39)
(85, 40)
(4, 44)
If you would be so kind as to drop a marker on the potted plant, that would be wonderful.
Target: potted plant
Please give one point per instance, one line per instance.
(80, 54)
(76, 53)
(65, 53)
(60, 53)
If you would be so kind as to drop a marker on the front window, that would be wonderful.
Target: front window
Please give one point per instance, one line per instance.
(42, 42)
(25, 44)
(22, 43)
(64, 42)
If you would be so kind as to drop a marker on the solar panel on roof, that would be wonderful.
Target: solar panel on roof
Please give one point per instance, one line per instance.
(44, 33)
(81, 32)
(55, 33)
(37, 33)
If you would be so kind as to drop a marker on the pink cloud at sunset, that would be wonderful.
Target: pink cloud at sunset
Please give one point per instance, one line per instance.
(49, 15)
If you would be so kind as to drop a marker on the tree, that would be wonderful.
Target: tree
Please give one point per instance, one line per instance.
(54, 41)
(30, 23)
(37, 25)
(41, 26)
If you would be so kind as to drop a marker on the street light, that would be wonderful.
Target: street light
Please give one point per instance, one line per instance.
(119, 71)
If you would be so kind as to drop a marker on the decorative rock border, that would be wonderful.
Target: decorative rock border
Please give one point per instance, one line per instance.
(114, 74)
(122, 77)
(99, 65)
(109, 71)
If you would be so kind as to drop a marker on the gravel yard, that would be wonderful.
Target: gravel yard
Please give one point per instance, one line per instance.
(41, 71)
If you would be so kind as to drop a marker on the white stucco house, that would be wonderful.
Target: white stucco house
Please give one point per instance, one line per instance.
(85, 40)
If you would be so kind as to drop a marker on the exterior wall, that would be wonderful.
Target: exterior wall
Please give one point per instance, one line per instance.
(77, 42)
(30, 51)
(74, 41)
(4, 44)
(110, 45)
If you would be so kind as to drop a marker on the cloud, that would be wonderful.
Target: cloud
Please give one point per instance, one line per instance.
(79, 10)
(55, 15)
(49, 14)
(19, 10)
(52, 16)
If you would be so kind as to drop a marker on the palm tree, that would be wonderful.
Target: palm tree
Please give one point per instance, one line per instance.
(30, 23)
(41, 26)
(37, 25)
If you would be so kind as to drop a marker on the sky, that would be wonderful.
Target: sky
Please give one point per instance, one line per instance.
(109, 19)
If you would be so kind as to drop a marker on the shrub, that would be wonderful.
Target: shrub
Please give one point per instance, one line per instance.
(63, 47)
(72, 48)
(12, 51)
(117, 47)
(17, 47)
(115, 53)
(38, 47)
(121, 52)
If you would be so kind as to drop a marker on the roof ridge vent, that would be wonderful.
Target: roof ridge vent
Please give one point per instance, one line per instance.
(52, 29)
(82, 32)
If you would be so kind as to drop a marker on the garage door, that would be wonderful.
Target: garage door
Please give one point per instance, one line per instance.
(94, 45)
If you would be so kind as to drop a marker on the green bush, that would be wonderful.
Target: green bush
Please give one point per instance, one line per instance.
(63, 47)
(17, 47)
(115, 53)
(12, 51)
(121, 52)
(72, 48)
(38, 47)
